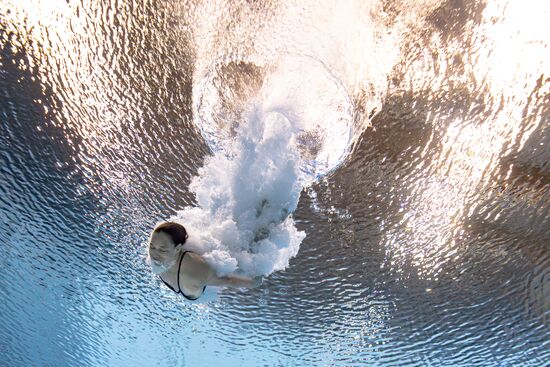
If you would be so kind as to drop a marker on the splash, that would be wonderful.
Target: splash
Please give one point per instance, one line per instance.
(243, 221)
(273, 131)
(300, 87)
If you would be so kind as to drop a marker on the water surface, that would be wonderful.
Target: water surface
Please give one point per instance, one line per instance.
(428, 244)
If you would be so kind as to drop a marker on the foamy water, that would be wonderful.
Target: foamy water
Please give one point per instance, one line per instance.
(246, 196)
(273, 129)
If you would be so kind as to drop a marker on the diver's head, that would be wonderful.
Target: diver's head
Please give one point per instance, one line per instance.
(166, 241)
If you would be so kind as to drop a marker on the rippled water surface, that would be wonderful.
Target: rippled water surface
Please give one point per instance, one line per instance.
(427, 227)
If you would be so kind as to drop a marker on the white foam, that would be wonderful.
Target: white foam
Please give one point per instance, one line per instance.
(243, 221)
(299, 87)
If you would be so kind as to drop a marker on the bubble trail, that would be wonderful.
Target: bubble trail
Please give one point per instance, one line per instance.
(245, 199)
(292, 126)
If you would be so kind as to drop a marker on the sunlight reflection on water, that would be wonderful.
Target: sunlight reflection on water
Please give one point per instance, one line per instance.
(428, 245)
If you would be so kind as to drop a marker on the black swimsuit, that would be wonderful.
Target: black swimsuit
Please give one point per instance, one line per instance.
(179, 289)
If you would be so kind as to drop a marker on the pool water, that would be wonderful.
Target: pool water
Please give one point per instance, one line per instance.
(424, 194)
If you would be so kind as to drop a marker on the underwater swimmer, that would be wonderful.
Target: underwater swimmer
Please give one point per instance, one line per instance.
(184, 271)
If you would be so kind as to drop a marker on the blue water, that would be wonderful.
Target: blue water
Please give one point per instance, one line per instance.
(428, 244)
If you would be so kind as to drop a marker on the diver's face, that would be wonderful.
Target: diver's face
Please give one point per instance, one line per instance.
(162, 252)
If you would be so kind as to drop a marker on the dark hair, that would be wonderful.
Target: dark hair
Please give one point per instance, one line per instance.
(177, 232)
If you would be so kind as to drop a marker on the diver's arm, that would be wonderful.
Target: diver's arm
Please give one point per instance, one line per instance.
(231, 281)
(201, 272)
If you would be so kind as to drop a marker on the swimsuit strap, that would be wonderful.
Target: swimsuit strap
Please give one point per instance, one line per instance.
(179, 267)
(185, 295)
(168, 285)
(178, 277)
(179, 288)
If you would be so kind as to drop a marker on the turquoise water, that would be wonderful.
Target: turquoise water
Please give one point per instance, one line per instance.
(423, 195)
